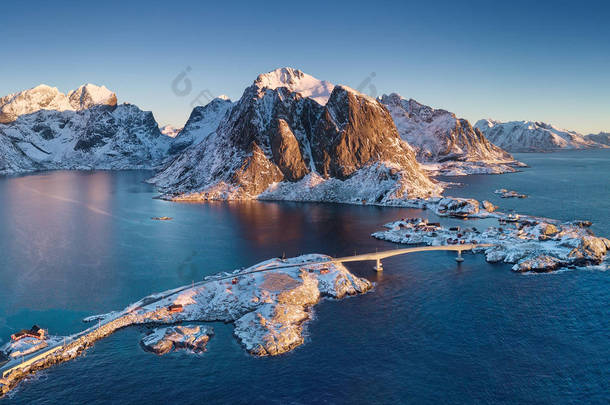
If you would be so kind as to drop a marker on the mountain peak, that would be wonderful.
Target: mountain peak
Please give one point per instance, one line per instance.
(41, 97)
(89, 95)
(44, 97)
(297, 81)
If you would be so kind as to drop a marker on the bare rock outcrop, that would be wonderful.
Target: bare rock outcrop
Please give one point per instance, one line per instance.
(182, 337)
(277, 134)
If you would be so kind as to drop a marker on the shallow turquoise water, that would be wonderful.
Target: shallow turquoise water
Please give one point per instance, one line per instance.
(76, 244)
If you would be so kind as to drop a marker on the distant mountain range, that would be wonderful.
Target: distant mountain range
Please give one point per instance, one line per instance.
(290, 136)
(529, 136)
(444, 142)
(602, 138)
(44, 129)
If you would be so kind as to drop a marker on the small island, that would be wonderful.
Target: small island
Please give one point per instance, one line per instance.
(268, 303)
(504, 193)
(193, 338)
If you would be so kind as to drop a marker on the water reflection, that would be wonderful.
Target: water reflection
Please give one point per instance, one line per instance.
(474, 330)
(56, 229)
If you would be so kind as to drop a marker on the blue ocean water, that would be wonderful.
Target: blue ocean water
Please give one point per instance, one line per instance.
(79, 243)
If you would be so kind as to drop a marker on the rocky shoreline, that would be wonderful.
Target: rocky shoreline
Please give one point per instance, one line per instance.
(531, 244)
(193, 338)
(504, 193)
(268, 303)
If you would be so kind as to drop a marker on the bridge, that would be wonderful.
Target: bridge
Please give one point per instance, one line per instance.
(13, 365)
(377, 256)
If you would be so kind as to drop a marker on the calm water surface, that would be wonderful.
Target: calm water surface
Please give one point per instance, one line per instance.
(78, 243)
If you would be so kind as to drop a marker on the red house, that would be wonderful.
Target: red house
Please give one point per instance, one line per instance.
(35, 332)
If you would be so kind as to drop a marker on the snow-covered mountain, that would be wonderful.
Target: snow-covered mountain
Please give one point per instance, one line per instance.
(444, 142)
(602, 138)
(296, 81)
(529, 136)
(170, 130)
(44, 129)
(291, 136)
(90, 95)
(203, 121)
(44, 97)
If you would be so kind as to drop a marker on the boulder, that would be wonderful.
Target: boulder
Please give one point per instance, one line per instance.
(540, 264)
(187, 337)
(489, 206)
(458, 207)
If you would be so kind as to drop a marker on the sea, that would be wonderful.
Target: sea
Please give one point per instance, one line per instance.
(76, 243)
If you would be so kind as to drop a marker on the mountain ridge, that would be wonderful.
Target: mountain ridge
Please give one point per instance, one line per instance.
(275, 139)
(533, 136)
(445, 143)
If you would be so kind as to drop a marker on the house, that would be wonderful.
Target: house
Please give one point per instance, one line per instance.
(35, 332)
(175, 308)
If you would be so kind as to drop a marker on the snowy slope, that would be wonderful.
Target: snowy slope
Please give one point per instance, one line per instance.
(529, 136)
(297, 81)
(602, 138)
(275, 142)
(203, 121)
(443, 141)
(90, 95)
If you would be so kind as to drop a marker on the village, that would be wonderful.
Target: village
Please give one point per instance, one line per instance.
(532, 244)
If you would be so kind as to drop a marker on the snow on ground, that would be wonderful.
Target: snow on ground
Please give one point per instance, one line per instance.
(89, 95)
(297, 81)
(268, 308)
(377, 184)
(27, 345)
(193, 338)
(530, 243)
(446, 144)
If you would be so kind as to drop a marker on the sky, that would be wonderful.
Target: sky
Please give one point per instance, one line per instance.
(519, 60)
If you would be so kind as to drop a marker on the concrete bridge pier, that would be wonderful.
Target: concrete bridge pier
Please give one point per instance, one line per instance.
(459, 257)
(378, 266)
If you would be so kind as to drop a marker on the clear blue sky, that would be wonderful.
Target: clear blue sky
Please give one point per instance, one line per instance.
(545, 60)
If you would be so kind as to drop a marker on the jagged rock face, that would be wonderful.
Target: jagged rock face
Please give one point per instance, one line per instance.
(438, 135)
(274, 135)
(44, 129)
(286, 152)
(296, 81)
(181, 337)
(44, 97)
(12, 158)
(89, 95)
(202, 122)
(355, 130)
(102, 137)
(256, 172)
(28, 101)
(528, 136)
